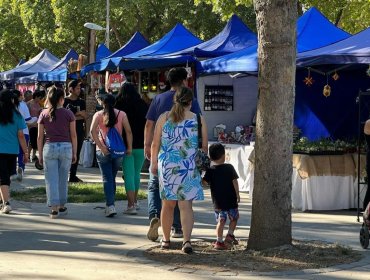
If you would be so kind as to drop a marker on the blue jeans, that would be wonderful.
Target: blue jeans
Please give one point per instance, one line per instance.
(57, 161)
(108, 168)
(155, 202)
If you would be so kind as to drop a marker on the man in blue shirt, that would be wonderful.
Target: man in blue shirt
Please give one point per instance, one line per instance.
(160, 104)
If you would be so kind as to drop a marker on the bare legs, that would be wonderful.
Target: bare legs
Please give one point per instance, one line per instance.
(187, 218)
(4, 190)
(167, 217)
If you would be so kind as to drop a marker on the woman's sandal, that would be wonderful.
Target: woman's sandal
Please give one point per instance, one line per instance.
(165, 245)
(187, 248)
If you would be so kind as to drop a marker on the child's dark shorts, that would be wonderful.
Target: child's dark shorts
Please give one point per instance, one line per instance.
(233, 214)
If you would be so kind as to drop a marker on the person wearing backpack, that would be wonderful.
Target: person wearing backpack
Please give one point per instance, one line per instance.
(106, 130)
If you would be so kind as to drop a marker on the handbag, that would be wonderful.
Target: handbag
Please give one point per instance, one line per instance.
(202, 160)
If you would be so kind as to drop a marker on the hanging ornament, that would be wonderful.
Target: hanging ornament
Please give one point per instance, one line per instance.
(368, 71)
(308, 80)
(335, 76)
(327, 89)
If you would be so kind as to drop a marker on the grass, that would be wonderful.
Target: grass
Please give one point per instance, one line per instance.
(77, 193)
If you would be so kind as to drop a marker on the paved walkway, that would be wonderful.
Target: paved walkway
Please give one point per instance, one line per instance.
(86, 245)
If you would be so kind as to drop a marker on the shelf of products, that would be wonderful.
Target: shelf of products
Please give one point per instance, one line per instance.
(218, 98)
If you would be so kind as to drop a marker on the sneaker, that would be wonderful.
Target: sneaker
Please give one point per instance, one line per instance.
(110, 211)
(63, 211)
(6, 208)
(75, 179)
(230, 238)
(176, 233)
(130, 211)
(20, 174)
(153, 229)
(13, 177)
(219, 245)
(54, 214)
(137, 205)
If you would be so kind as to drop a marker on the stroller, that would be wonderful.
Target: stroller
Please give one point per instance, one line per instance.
(365, 228)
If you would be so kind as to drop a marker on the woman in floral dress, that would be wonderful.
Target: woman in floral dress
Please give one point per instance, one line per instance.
(173, 158)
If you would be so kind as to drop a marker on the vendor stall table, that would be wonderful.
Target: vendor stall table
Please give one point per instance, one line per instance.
(323, 182)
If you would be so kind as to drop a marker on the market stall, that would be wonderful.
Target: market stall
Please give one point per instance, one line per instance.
(322, 182)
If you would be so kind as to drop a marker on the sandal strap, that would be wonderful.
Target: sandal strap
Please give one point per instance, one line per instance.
(188, 241)
(166, 242)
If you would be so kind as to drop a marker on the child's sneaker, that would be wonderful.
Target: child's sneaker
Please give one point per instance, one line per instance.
(219, 245)
(110, 211)
(137, 205)
(230, 238)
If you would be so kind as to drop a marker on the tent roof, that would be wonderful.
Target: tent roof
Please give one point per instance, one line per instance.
(44, 61)
(353, 50)
(58, 73)
(102, 52)
(234, 37)
(314, 30)
(177, 39)
(137, 42)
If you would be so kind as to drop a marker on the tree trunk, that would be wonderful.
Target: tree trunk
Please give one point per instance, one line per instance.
(271, 209)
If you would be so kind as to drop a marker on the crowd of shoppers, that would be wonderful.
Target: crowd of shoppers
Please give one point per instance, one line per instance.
(166, 133)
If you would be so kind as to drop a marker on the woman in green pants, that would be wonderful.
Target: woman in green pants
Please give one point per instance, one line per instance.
(129, 101)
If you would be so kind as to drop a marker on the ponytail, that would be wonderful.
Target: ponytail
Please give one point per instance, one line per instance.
(54, 95)
(109, 116)
(181, 99)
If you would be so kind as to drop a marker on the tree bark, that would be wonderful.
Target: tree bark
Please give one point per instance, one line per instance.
(271, 208)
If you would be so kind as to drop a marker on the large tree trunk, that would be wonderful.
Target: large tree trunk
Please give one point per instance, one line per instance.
(271, 209)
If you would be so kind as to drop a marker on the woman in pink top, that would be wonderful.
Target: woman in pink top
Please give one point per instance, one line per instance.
(101, 123)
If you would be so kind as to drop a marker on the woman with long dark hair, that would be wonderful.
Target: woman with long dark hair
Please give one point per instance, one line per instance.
(11, 135)
(102, 121)
(173, 151)
(129, 101)
(57, 129)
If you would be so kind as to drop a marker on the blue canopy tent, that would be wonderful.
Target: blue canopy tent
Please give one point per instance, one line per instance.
(44, 61)
(154, 55)
(58, 73)
(335, 116)
(353, 50)
(314, 30)
(21, 62)
(137, 42)
(102, 52)
(177, 39)
(234, 37)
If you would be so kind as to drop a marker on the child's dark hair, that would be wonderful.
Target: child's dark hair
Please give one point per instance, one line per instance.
(216, 151)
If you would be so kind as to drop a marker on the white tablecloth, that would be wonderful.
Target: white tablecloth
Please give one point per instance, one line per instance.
(237, 155)
(322, 192)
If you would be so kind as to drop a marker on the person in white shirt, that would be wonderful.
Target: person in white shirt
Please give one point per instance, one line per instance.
(25, 112)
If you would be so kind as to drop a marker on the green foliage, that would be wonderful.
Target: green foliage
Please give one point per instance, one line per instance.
(352, 16)
(28, 26)
(324, 145)
(14, 37)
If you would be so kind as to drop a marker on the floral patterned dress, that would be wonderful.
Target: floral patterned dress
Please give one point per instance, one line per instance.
(179, 178)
